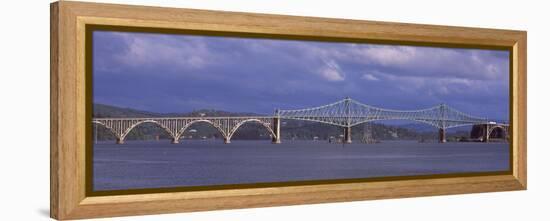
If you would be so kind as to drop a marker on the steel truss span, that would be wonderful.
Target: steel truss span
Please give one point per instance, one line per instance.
(345, 113)
(348, 113)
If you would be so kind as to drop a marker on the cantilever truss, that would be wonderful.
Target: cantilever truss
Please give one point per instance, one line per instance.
(348, 113)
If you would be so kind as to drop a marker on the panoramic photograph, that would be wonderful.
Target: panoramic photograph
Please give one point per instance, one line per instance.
(177, 110)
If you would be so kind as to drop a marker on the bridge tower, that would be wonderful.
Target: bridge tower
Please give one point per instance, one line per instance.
(442, 137)
(276, 139)
(443, 116)
(347, 128)
(347, 134)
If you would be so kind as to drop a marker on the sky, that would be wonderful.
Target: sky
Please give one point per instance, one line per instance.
(180, 73)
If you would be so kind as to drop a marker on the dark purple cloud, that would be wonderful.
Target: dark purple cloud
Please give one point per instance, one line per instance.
(180, 73)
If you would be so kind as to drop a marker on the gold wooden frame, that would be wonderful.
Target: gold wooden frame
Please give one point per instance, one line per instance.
(68, 196)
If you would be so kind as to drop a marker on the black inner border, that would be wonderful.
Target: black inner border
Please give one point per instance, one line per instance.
(89, 29)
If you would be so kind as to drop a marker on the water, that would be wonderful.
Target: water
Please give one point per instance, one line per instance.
(159, 164)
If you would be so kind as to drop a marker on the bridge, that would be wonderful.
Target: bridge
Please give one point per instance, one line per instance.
(345, 113)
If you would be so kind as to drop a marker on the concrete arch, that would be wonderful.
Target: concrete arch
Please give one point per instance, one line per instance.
(182, 130)
(108, 128)
(237, 126)
(143, 122)
(502, 128)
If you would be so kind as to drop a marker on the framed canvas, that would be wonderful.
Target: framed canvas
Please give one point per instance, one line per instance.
(162, 110)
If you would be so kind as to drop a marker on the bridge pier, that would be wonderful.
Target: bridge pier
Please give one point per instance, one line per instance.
(276, 139)
(119, 140)
(442, 138)
(486, 134)
(226, 140)
(347, 135)
(175, 140)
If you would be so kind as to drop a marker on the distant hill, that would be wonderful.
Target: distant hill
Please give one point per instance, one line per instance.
(102, 110)
(290, 129)
(418, 127)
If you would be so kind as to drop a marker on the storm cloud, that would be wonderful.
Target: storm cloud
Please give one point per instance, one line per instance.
(181, 73)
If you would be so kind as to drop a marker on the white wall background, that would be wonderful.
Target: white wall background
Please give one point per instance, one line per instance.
(24, 108)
